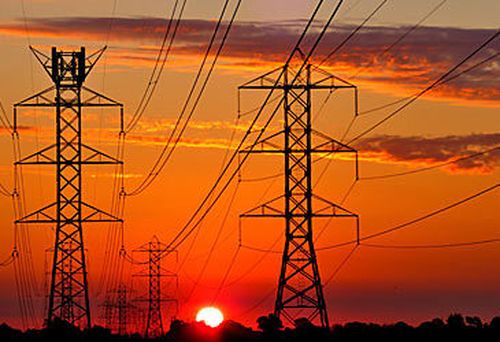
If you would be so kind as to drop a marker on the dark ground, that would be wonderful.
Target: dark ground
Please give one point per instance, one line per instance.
(455, 328)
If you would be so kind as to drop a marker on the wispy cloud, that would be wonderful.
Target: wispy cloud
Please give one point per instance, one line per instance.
(209, 143)
(420, 58)
(431, 151)
(387, 149)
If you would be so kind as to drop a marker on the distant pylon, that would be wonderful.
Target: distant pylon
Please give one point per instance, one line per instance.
(155, 250)
(69, 296)
(107, 314)
(117, 309)
(123, 308)
(300, 291)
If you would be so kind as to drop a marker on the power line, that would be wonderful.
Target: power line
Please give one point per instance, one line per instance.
(403, 36)
(10, 259)
(4, 119)
(5, 122)
(340, 266)
(158, 67)
(253, 110)
(111, 20)
(26, 284)
(397, 41)
(448, 79)
(397, 227)
(432, 167)
(4, 191)
(26, 26)
(260, 112)
(214, 244)
(222, 284)
(222, 225)
(416, 220)
(178, 239)
(435, 246)
(387, 49)
(235, 154)
(161, 161)
(426, 89)
(353, 33)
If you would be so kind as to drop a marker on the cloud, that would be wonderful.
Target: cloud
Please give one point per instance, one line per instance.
(387, 149)
(162, 125)
(20, 128)
(207, 143)
(420, 58)
(437, 150)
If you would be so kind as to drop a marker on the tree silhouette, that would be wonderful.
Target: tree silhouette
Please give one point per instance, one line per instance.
(270, 324)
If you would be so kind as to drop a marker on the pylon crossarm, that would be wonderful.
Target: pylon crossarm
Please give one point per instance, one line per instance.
(38, 100)
(346, 84)
(40, 216)
(329, 76)
(102, 100)
(43, 59)
(264, 142)
(40, 157)
(258, 82)
(265, 210)
(336, 210)
(90, 156)
(323, 80)
(101, 215)
(97, 157)
(161, 248)
(336, 146)
(93, 58)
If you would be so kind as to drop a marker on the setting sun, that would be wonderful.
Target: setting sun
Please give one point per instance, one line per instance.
(249, 170)
(211, 316)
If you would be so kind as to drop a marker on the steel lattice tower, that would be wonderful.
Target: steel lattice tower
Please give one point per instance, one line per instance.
(117, 309)
(123, 307)
(155, 250)
(107, 316)
(68, 297)
(300, 292)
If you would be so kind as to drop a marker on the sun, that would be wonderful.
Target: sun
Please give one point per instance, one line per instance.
(211, 316)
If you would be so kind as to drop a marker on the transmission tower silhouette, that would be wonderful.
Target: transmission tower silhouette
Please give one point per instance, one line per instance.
(123, 309)
(300, 292)
(156, 251)
(69, 296)
(107, 313)
(117, 309)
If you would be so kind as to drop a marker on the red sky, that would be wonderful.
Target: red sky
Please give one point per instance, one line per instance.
(383, 285)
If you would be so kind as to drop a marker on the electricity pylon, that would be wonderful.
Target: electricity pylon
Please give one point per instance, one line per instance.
(300, 291)
(123, 309)
(107, 313)
(117, 309)
(155, 250)
(68, 70)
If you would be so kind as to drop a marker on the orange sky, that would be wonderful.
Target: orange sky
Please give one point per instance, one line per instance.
(377, 284)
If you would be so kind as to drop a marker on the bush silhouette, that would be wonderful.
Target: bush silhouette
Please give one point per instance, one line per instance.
(270, 328)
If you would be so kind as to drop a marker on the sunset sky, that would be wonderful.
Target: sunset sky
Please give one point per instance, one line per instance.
(381, 285)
